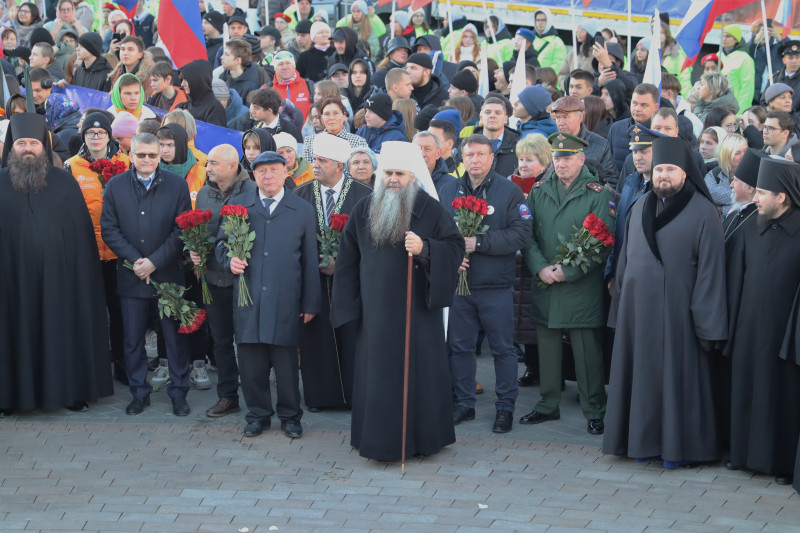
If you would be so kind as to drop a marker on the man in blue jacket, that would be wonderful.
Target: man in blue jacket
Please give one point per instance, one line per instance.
(138, 224)
(282, 276)
(644, 104)
(531, 110)
(491, 264)
(383, 124)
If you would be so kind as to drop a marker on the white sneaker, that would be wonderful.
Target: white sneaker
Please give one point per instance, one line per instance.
(199, 377)
(160, 376)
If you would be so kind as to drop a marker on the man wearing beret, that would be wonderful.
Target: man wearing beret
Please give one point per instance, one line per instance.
(573, 298)
(327, 355)
(283, 280)
(382, 123)
(765, 381)
(428, 87)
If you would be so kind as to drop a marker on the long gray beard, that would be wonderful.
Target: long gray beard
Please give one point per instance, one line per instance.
(390, 213)
(27, 174)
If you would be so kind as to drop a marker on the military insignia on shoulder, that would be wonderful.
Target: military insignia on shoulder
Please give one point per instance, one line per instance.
(612, 209)
(595, 187)
(536, 185)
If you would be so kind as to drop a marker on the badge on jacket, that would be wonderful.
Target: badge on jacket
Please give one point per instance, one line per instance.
(612, 209)
(525, 212)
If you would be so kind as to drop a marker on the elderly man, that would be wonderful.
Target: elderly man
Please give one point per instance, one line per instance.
(53, 325)
(225, 179)
(138, 224)
(490, 268)
(397, 220)
(283, 278)
(437, 167)
(572, 299)
(289, 84)
(327, 355)
(670, 270)
(567, 113)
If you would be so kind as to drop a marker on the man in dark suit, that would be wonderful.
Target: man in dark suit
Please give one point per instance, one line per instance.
(283, 278)
(138, 224)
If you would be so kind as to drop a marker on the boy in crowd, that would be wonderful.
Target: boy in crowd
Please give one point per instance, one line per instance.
(165, 94)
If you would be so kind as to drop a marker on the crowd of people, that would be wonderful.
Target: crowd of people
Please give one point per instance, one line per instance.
(679, 318)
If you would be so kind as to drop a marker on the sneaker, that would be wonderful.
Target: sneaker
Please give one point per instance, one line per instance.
(160, 375)
(199, 377)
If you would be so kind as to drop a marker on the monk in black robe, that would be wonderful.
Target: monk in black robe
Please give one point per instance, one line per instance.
(53, 327)
(765, 400)
(327, 355)
(370, 288)
(669, 312)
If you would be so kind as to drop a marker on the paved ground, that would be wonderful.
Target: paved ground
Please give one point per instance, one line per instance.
(105, 471)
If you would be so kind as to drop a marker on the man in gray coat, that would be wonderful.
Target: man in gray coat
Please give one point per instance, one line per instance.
(282, 276)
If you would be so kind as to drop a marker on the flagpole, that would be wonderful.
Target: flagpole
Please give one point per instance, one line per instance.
(574, 38)
(391, 18)
(630, 33)
(721, 35)
(450, 26)
(766, 40)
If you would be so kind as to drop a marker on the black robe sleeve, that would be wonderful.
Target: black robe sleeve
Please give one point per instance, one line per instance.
(446, 247)
(346, 293)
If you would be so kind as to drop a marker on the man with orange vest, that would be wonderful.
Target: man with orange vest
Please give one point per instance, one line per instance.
(98, 144)
(176, 157)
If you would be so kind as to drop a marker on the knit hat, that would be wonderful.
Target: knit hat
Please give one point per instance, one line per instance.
(464, 63)
(124, 125)
(63, 33)
(92, 42)
(423, 60)
(645, 43)
(507, 66)
(284, 140)
(380, 104)
(423, 119)
(220, 90)
(41, 35)
(465, 80)
(527, 34)
(95, 120)
(366, 150)
(589, 27)
(361, 5)
(535, 99)
(402, 18)
(471, 27)
(317, 27)
(216, 19)
(775, 90)
(734, 30)
(304, 26)
(450, 115)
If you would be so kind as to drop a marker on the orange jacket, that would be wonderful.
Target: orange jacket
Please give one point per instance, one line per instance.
(295, 91)
(93, 194)
(302, 172)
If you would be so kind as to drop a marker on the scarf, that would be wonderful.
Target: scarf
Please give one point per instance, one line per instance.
(181, 169)
(652, 222)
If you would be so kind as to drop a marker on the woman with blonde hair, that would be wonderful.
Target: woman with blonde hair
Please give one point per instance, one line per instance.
(467, 46)
(360, 22)
(407, 108)
(714, 91)
(729, 154)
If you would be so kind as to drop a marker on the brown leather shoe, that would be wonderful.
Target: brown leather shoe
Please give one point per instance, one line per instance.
(224, 406)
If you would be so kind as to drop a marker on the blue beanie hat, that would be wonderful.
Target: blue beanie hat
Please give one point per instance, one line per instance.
(528, 34)
(535, 99)
(450, 115)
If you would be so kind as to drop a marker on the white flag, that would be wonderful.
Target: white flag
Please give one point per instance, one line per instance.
(483, 78)
(652, 72)
(518, 84)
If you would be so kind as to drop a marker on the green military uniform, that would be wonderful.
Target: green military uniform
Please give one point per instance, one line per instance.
(577, 304)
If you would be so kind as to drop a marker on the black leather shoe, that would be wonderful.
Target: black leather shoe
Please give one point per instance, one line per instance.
(595, 426)
(528, 379)
(462, 414)
(784, 479)
(254, 429)
(180, 407)
(78, 407)
(6, 412)
(503, 422)
(535, 417)
(137, 405)
(292, 429)
(730, 466)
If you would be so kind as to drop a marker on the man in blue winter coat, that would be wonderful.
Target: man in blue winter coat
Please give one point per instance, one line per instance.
(531, 110)
(383, 124)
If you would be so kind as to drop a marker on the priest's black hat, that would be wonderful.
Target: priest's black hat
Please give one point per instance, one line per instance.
(747, 171)
(27, 126)
(676, 151)
(779, 175)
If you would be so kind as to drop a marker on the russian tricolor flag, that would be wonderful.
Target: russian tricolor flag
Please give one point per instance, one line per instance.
(181, 30)
(698, 22)
(128, 7)
(784, 17)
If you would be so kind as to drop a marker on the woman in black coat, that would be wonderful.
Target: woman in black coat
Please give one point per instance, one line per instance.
(313, 63)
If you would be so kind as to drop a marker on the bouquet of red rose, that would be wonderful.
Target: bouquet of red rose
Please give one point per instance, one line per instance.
(107, 169)
(240, 242)
(329, 240)
(469, 217)
(583, 249)
(172, 304)
(197, 239)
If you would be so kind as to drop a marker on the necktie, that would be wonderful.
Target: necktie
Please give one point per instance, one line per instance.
(267, 204)
(496, 145)
(329, 206)
(146, 183)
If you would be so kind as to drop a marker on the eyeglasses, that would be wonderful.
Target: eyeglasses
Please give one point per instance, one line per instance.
(97, 134)
(145, 156)
(24, 11)
(770, 129)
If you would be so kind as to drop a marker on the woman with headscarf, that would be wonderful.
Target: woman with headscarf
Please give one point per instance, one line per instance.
(362, 165)
(359, 87)
(123, 98)
(62, 115)
(28, 19)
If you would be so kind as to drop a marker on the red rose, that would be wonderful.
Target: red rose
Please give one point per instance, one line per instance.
(484, 208)
(458, 203)
(609, 241)
(207, 216)
(338, 222)
(469, 202)
(234, 210)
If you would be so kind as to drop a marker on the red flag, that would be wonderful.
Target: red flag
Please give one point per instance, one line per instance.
(403, 3)
(586, 3)
(419, 4)
(384, 2)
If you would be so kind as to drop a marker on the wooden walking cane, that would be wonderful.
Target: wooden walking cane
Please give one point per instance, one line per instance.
(406, 362)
